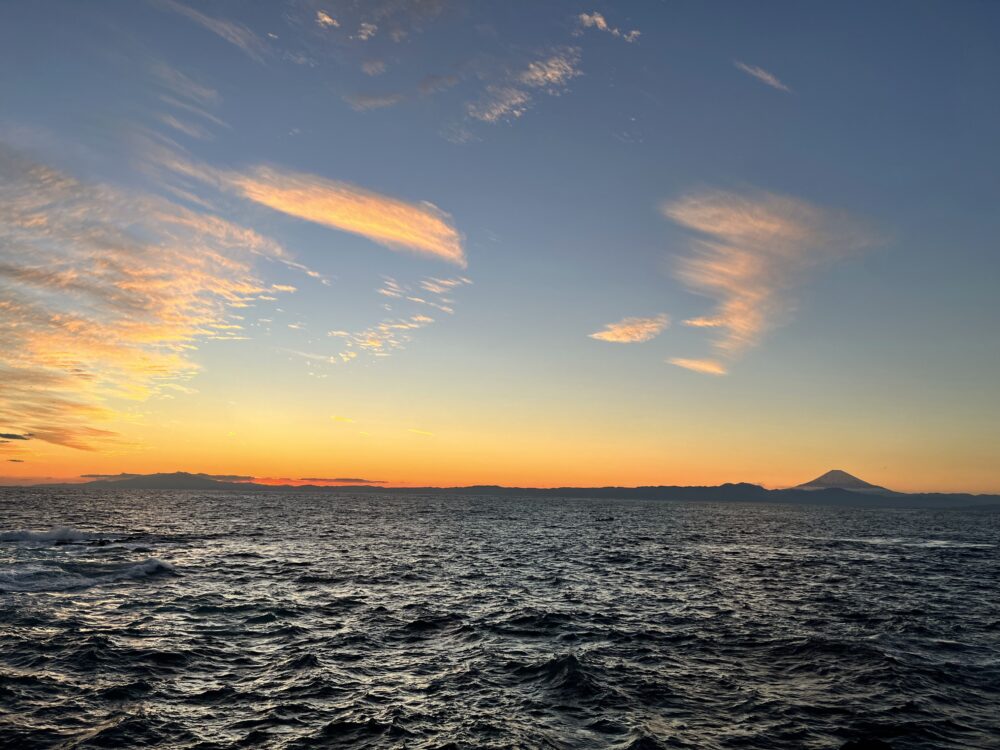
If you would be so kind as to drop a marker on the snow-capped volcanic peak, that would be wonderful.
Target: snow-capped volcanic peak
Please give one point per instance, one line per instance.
(840, 480)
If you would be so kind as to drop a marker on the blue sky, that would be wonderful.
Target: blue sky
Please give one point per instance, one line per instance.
(667, 241)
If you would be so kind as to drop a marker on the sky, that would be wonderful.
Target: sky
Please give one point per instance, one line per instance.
(432, 242)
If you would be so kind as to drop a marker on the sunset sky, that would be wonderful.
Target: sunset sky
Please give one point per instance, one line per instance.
(434, 242)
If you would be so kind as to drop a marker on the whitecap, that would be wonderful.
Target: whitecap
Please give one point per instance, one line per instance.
(55, 534)
(33, 577)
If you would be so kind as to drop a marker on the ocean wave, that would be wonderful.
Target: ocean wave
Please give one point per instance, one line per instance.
(564, 673)
(734, 625)
(34, 577)
(55, 534)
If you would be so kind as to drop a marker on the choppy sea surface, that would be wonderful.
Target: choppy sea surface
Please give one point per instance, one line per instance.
(200, 620)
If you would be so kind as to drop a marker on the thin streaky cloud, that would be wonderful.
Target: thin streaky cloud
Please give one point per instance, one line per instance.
(750, 252)
(233, 32)
(703, 323)
(190, 129)
(422, 433)
(762, 75)
(195, 110)
(367, 102)
(632, 330)
(394, 333)
(104, 293)
(184, 86)
(378, 340)
(396, 224)
(704, 366)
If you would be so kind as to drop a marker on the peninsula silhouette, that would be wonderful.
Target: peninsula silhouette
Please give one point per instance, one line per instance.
(835, 487)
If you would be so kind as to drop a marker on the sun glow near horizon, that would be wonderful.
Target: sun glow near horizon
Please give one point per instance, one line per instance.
(402, 244)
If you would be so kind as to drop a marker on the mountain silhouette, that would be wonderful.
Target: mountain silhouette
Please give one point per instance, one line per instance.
(833, 488)
(178, 480)
(836, 479)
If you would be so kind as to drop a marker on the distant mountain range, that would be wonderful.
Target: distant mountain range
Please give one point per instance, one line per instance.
(833, 488)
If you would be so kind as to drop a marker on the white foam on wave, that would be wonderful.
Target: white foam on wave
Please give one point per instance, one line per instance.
(55, 534)
(910, 542)
(33, 577)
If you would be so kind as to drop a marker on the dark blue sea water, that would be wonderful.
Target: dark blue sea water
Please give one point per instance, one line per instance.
(187, 620)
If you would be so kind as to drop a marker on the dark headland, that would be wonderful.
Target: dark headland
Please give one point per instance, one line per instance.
(833, 488)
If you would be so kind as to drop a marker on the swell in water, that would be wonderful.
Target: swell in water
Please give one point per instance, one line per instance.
(223, 621)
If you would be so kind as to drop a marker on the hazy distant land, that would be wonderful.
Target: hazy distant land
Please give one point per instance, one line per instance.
(836, 487)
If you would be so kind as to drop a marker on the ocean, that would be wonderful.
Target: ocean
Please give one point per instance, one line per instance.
(201, 620)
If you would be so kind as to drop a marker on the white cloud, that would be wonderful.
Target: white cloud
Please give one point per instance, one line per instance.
(233, 32)
(366, 31)
(762, 75)
(750, 252)
(104, 294)
(500, 103)
(397, 224)
(552, 72)
(597, 21)
(326, 21)
(632, 330)
(510, 100)
(704, 366)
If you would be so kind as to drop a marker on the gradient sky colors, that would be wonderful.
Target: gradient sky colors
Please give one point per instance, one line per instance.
(433, 242)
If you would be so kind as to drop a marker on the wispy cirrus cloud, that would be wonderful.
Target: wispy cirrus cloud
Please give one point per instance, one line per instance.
(419, 227)
(188, 128)
(510, 99)
(597, 21)
(704, 366)
(500, 103)
(182, 85)
(762, 75)
(632, 330)
(553, 72)
(749, 253)
(233, 32)
(394, 223)
(406, 304)
(366, 102)
(103, 296)
(189, 102)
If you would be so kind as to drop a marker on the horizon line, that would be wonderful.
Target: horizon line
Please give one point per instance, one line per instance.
(352, 483)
